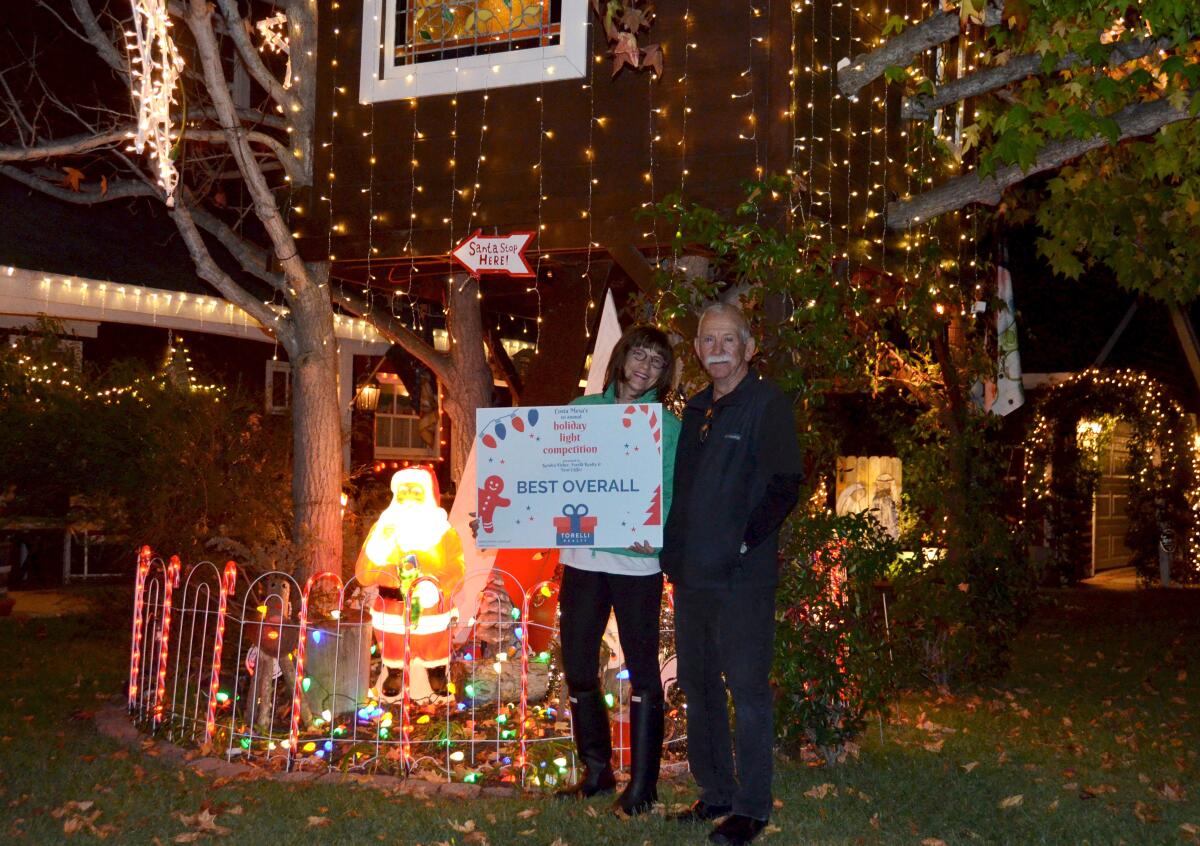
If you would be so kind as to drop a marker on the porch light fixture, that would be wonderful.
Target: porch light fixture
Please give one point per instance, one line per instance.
(368, 397)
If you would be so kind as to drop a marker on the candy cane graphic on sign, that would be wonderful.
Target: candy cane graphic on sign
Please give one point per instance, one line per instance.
(654, 512)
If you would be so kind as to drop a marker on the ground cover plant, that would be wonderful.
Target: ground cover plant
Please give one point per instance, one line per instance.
(1089, 738)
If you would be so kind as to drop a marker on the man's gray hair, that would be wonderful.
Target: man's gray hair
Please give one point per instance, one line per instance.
(730, 311)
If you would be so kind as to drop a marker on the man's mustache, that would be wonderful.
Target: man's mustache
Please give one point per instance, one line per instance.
(718, 359)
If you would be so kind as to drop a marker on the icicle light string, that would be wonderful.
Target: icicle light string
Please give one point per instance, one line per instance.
(590, 157)
(155, 68)
(540, 167)
(650, 142)
(686, 109)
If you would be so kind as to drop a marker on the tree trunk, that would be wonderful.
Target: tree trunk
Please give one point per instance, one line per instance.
(316, 434)
(471, 385)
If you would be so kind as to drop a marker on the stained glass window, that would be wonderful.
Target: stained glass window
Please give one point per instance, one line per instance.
(433, 30)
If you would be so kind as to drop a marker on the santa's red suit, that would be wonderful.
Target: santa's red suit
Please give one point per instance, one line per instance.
(413, 539)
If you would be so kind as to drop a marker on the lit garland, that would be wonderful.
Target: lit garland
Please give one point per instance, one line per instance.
(1160, 425)
(178, 363)
(155, 67)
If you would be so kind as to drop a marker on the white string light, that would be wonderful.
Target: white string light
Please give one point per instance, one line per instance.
(155, 67)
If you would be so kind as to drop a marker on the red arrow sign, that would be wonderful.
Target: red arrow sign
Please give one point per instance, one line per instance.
(495, 253)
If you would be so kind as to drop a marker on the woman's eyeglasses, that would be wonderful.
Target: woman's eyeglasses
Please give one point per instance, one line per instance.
(641, 356)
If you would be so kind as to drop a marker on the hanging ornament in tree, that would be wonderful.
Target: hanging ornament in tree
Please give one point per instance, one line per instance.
(155, 67)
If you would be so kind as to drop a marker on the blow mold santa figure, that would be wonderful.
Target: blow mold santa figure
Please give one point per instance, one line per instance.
(412, 546)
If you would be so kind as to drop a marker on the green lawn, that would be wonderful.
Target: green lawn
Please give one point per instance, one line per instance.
(1091, 738)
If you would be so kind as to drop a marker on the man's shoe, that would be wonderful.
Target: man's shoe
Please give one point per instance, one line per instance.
(737, 830)
(700, 812)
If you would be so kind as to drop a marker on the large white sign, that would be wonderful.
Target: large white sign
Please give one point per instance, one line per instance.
(569, 476)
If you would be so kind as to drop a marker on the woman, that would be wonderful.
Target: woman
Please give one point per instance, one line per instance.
(629, 582)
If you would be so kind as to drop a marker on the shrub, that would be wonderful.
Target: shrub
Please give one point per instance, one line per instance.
(139, 454)
(831, 656)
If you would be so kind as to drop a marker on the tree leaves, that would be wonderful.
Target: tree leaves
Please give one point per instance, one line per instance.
(72, 179)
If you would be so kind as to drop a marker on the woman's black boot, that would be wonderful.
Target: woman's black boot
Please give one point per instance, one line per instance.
(646, 737)
(593, 742)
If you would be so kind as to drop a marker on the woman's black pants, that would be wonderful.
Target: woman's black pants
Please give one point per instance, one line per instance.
(585, 600)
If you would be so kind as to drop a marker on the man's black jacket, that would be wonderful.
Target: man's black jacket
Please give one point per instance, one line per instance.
(738, 471)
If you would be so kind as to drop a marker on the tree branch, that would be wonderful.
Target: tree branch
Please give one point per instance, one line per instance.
(252, 258)
(237, 31)
(252, 116)
(502, 365)
(86, 195)
(922, 106)
(903, 48)
(208, 270)
(284, 156)
(199, 20)
(72, 145)
(99, 38)
(397, 333)
(1134, 121)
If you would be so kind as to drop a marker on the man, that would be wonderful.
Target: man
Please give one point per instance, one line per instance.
(737, 477)
(411, 543)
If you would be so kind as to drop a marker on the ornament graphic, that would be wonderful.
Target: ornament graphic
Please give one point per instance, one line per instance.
(498, 432)
(490, 500)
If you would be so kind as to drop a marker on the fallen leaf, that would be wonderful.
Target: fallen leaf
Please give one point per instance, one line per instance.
(103, 185)
(591, 811)
(476, 837)
(464, 828)
(558, 841)
(187, 837)
(934, 746)
(527, 813)
(933, 841)
(821, 791)
(1053, 806)
(71, 807)
(1146, 813)
(318, 822)
(970, 766)
(1172, 792)
(1011, 801)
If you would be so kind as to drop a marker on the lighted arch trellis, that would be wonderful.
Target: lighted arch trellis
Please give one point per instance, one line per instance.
(1164, 466)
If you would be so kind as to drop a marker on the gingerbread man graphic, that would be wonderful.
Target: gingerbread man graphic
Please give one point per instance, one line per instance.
(490, 500)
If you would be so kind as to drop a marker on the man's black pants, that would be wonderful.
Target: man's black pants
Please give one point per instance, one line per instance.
(729, 633)
(585, 600)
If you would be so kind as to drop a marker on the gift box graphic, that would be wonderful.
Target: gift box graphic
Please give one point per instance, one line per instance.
(575, 528)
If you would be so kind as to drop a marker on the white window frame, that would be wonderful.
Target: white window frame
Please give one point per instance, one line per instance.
(278, 370)
(566, 60)
(381, 453)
